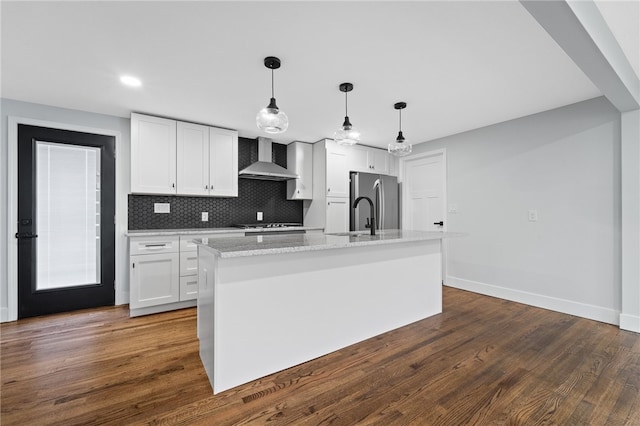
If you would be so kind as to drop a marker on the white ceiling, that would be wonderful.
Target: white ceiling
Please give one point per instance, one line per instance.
(458, 65)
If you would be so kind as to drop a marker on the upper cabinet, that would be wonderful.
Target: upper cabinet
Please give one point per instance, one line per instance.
(192, 159)
(337, 170)
(223, 162)
(300, 162)
(371, 160)
(153, 155)
(174, 157)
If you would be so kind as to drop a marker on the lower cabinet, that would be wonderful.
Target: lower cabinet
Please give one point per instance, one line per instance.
(154, 280)
(163, 271)
(337, 215)
(188, 274)
(153, 271)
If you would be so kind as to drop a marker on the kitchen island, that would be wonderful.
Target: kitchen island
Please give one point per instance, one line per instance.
(267, 303)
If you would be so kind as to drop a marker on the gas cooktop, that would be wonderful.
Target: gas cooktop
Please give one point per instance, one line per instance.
(267, 225)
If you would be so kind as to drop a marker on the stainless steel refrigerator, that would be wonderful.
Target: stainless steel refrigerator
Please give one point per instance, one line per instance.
(383, 191)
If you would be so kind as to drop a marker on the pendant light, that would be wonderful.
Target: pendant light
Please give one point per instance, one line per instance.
(271, 119)
(347, 134)
(400, 147)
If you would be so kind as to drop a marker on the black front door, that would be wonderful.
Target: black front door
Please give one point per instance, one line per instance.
(66, 229)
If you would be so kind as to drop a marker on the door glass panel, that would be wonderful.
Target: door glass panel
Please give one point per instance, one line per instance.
(68, 215)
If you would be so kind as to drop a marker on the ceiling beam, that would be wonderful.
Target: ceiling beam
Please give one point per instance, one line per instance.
(580, 30)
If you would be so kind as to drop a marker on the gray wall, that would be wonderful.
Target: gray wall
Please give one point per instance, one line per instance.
(564, 163)
(14, 108)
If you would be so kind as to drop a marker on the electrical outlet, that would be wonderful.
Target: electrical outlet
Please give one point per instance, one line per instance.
(259, 216)
(161, 208)
(205, 216)
(533, 215)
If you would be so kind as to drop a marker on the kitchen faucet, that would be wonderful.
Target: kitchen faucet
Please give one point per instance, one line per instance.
(373, 214)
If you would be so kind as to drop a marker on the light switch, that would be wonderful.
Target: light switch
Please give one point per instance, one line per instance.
(533, 215)
(161, 208)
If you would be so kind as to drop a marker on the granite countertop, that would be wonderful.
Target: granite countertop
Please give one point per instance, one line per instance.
(206, 231)
(275, 244)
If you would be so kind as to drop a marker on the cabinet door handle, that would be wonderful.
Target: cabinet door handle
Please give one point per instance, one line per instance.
(173, 185)
(328, 189)
(133, 265)
(206, 187)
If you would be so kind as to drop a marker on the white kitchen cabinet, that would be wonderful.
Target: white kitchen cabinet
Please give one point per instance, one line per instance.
(300, 162)
(329, 207)
(223, 162)
(337, 170)
(153, 271)
(153, 155)
(189, 286)
(192, 159)
(358, 160)
(175, 157)
(337, 215)
(378, 160)
(164, 271)
(189, 262)
(367, 159)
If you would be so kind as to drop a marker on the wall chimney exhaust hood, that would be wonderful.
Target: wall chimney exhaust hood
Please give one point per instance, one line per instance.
(264, 168)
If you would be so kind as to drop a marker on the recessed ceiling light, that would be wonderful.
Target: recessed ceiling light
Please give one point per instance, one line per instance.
(129, 80)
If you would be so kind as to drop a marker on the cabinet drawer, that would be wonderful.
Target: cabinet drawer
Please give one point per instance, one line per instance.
(188, 263)
(151, 245)
(189, 287)
(187, 244)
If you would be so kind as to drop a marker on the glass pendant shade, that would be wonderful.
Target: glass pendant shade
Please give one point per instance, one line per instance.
(347, 134)
(271, 120)
(400, 147)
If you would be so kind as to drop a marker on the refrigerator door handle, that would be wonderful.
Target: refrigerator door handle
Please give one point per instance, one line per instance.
(383, 201)
(377, 186)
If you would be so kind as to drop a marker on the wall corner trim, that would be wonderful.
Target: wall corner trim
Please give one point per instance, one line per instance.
(630, 323)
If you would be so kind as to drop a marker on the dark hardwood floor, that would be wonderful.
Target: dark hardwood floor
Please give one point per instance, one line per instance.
(484, 361)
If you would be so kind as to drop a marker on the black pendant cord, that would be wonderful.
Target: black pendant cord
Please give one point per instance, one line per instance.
(272, 83)
(346, 105)
(400, 124)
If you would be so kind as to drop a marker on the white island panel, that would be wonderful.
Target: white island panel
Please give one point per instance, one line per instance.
(261, 314)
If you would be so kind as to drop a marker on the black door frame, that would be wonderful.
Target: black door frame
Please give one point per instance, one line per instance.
(11, 312)
(33, 302)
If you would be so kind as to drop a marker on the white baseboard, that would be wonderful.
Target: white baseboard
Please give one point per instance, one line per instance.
(163, 308)
(597, 313)
(630, 322)
(4, 314)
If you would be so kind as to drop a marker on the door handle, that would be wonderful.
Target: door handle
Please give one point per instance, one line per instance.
(24, 235)
(441, 223)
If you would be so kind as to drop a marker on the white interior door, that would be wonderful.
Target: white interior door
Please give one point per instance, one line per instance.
(424, 189)
(424, 192)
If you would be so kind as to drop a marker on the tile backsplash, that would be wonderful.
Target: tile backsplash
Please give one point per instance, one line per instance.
(268, 197)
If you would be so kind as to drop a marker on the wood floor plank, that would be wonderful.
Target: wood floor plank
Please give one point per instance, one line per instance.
(483, 361)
